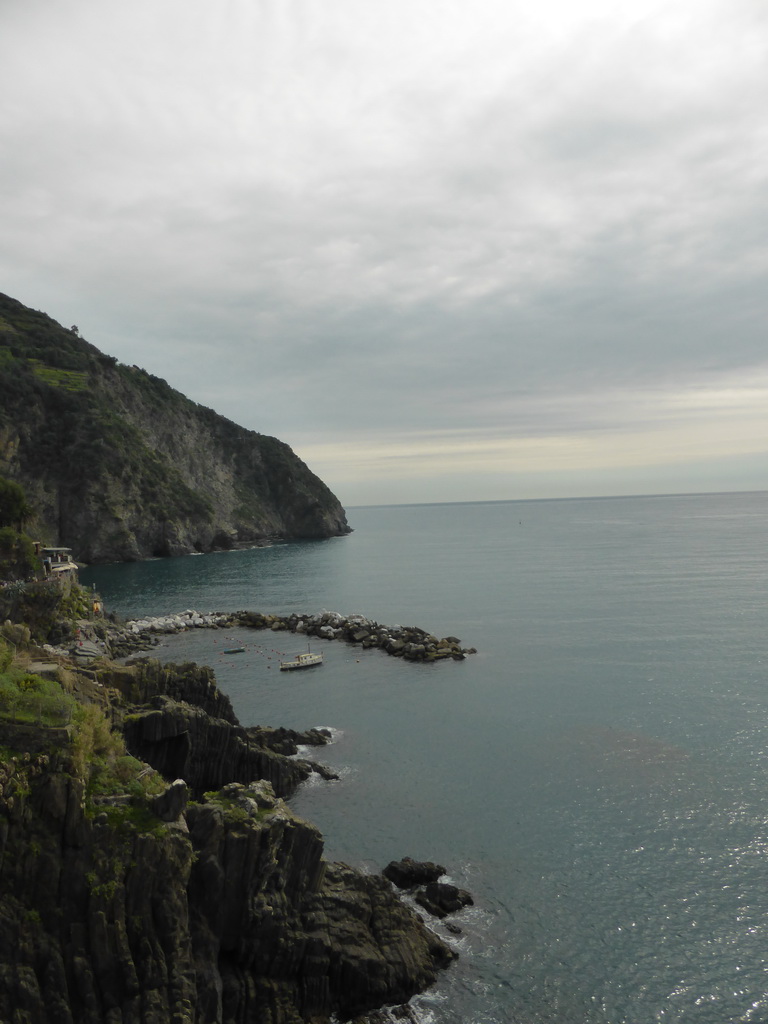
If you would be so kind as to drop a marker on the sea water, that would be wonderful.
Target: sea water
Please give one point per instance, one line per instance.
(595, 775)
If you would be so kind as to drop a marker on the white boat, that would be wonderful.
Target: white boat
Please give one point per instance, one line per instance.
(302, 661)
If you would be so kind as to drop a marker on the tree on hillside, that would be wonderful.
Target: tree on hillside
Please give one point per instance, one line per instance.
(18, 560)
(14, 510)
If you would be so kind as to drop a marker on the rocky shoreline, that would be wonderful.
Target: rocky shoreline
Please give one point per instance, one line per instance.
(110, 638)
(209, 900)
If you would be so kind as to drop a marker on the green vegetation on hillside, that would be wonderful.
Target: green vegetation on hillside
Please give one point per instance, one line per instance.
(96, 752)
(52, 390)
(18, 560)
(14, 508)
(26, 698)
(101, 761)
(70, 380)
(46, 608)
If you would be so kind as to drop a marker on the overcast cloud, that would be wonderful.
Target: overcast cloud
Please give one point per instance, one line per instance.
(444, 250)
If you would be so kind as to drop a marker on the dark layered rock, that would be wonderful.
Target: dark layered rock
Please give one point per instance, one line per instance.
(126, 908)
(147, 678)
(408, 873)
(380, 957)
(177, 719)
(93, 920)
(287, 741)
(437, 898)
(230, 915)
(180, 740)
(441, 898)
(170, 805)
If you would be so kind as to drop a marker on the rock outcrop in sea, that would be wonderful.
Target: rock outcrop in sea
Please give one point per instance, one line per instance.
(420, 878)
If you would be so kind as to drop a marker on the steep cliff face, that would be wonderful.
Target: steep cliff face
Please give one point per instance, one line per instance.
(124, 901)
(75, 899)
(121, 466)
(181, 724)
(228, 914)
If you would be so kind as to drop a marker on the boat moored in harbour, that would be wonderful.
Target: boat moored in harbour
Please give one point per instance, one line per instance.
(307, 660)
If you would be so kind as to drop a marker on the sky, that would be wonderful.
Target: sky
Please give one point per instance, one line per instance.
(445, 250)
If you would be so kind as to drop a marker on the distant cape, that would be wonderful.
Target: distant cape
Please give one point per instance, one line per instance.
(120, 466)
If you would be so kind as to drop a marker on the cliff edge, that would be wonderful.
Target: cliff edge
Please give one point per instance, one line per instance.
(131, 897)
(120, 466)
(228, 913)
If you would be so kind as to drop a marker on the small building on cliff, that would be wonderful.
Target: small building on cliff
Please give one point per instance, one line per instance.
(58, 562)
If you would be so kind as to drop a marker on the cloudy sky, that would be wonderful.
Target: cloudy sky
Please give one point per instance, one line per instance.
(445, 250)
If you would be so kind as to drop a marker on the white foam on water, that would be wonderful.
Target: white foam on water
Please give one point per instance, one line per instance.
(336, 734)
(315, 779)
(311, 750)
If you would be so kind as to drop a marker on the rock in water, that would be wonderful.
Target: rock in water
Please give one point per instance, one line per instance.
(441, 899)
(407, 873)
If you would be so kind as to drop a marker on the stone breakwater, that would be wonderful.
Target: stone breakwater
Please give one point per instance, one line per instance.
(409, 642)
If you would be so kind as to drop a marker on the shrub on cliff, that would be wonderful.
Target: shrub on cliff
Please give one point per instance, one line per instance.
(26, 698)
(14, 509)
(18, 560)
(49, 608)
(100, 759)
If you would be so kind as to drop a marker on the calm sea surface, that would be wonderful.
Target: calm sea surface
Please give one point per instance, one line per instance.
(595, 775)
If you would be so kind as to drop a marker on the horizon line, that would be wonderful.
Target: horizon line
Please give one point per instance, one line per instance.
(573, 497)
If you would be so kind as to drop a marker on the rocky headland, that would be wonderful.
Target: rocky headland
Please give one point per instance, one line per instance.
(120, 466)
(151, 871)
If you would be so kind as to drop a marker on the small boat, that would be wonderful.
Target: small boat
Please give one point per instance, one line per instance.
(302, 661)
(234, 650)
